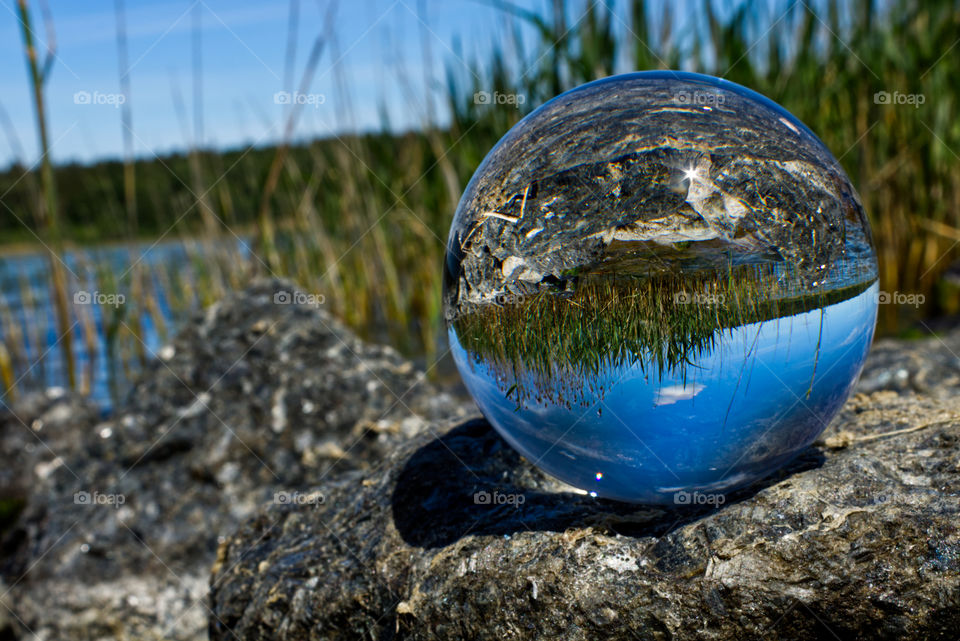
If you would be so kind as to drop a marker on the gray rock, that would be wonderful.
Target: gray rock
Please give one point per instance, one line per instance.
(858, 538)
(380, 534)
(930, 366)
(121, 517)
(39, 428)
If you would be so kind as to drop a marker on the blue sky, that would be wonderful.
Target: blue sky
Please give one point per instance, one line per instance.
(377, 58)
(384, 53)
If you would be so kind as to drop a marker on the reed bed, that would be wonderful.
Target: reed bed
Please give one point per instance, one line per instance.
(550, 343)
(362, 218)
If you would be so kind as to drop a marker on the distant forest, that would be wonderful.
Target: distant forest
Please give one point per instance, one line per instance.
(92, 196)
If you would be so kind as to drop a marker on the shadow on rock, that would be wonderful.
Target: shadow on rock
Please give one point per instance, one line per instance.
(471, 482)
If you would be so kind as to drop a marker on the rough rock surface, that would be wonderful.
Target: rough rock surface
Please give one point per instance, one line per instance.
(43, 423)
(380, 536)
(858, 538)
(253, 400)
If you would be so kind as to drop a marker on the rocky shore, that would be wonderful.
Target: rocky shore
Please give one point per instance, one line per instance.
(274, 477)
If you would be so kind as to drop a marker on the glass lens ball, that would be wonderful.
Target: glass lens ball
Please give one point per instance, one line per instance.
(659, 287)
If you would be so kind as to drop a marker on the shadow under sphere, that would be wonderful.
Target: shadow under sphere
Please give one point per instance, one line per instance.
(436, 501)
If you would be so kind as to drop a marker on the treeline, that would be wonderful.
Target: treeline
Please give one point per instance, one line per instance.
(178, 189)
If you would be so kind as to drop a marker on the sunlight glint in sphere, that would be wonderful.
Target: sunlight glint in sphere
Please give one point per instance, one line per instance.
(659, 287)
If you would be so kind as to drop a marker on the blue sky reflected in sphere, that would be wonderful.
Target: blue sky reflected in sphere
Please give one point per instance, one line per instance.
(660, 285)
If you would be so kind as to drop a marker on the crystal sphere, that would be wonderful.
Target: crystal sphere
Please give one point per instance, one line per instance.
(659, 287)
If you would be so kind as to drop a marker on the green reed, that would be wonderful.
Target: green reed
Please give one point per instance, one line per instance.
(362, 218)
(661, 323)
(48, 211)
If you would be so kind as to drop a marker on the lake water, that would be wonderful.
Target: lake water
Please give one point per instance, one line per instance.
(100, 297)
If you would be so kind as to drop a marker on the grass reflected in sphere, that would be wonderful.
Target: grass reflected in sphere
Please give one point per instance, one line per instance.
(660, 285)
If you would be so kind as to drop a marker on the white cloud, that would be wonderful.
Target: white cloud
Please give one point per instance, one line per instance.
(673, 393)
